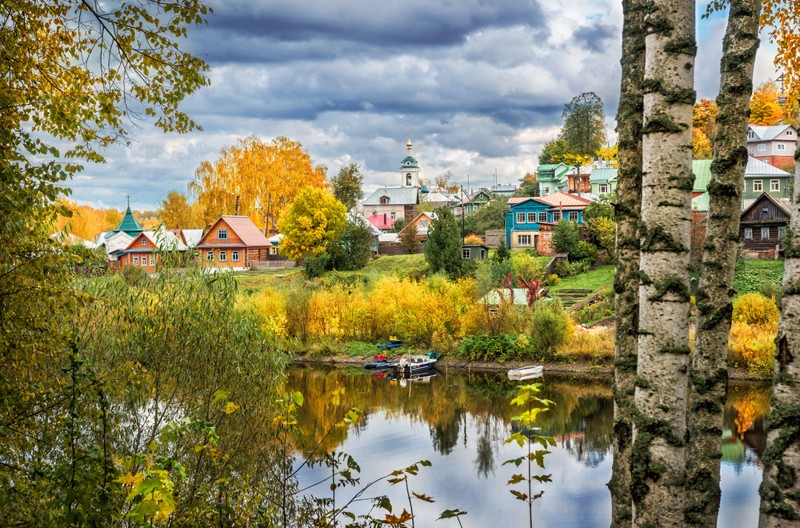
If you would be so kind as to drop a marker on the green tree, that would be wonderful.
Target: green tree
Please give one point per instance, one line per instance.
(408, 238)
(501, 253)
(584, 129)
(311, 223)
(554, 151)
(528, 185)
(353, 248)
(490, 216)
(346, 185)
(443, 245)
(603, 233)
(565, 237)
(601, 209)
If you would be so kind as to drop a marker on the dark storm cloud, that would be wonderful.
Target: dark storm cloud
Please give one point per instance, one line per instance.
(377, 23)
(596, 37)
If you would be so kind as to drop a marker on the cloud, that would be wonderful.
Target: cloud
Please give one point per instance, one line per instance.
(479, 86)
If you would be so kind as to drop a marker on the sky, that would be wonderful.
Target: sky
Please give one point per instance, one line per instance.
(477, 85)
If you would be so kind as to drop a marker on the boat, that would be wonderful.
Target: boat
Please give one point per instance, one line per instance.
(380, 363)
(526, 373)
(392, 343)
(417, 364)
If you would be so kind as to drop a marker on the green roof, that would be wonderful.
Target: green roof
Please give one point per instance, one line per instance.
(700, 203)
(702, 174)
(603, 175)
(129, 224)
(409, 161)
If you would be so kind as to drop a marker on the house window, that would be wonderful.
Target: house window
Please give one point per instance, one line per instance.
(556, 217)
(764, 233)
(751, 134)
(781, 232)
(520, 218)
(393, 215)
(152, 261)
(144, 261)
(423, 223)
(144, 241)
(602, 188)
(273, 251)
(531, 218)
(573, 216)
(384, 200)
(758, 186)
(465, 253)
(235, 256)
(209, 256)
(136, 260)
(748, 233)
(542, 217)
(524, 240)
(789, 133)
(222, 234)
(408, 179)
(223, 255)
(781, 146)
(774, 185)
(762, 147)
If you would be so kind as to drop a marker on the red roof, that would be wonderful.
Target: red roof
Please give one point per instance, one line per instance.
(381, 221)
(244, 228)
(519, 199)
(561, 199)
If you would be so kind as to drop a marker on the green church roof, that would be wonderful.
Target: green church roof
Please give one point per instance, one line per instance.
(409, 161)
(129, 224)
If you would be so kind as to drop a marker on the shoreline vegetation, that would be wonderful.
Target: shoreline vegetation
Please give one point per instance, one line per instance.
(339, 317)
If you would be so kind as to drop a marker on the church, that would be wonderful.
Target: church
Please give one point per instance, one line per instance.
(392, 203)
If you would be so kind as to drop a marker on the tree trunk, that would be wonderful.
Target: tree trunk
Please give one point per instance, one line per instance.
(659, 436)
(708, 383)
(626, 280)
(780, 490)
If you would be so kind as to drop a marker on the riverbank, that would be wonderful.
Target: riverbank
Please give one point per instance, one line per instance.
(578, 367)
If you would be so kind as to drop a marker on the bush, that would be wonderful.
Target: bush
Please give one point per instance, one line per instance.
(500, 348)
(527, 267)
(753, 347)
(135, 276)
(755, 309)
(315, 266)
(551, 326)
(583, 251)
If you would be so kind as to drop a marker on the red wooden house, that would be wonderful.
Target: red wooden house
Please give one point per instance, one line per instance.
(145, 249)
(233, 242)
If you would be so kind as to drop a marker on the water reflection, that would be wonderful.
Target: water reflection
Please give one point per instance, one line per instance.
(459, 421)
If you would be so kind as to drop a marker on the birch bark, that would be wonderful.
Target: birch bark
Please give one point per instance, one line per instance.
(709, 374)
(626, 280)
(659, 435)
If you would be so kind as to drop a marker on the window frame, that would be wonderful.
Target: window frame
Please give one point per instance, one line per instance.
(573, 216)
(775, 185)
(748, 233)
(521, 218)
(760, 184)
(466, 253)
(542, 217)
(556, 217)
(144, 241)
(222, 256)
(780, 146)
(135, 260)
(531, 218)
(210, 255)
(765, 230)
(762, 147)
(220, 231)
(152, 260)
(520, 240)
(235, 255)
(602, 188)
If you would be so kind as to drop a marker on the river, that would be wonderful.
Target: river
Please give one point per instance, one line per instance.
(458, 421)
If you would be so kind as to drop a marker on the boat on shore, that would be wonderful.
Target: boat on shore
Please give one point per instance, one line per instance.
(526, 373)
(390, 344)
(417, 364)
(380, 362)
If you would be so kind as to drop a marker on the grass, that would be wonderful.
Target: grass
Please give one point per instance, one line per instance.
(591, 280)
(762, 275)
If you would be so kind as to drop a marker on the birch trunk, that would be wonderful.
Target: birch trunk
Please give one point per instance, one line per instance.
(708, 382)
(780, 489)
(626, 279)
(659, 435)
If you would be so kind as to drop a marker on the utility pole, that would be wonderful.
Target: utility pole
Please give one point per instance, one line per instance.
(463, 207)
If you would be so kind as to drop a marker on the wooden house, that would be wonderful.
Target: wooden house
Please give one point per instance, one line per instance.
(146, 248)
(763, 224)
(233, 242)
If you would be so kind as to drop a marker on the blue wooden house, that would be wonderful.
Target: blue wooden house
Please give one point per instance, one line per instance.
(530, 221)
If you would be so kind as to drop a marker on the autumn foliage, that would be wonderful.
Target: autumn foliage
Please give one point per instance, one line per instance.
(266, 177)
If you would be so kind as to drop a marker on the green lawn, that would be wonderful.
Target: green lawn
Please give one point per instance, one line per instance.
(762, 275)
(591, 280)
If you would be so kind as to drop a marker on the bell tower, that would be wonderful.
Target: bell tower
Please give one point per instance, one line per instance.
(409, 169)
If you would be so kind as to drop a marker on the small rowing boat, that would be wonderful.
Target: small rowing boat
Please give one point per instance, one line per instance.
(526, 373)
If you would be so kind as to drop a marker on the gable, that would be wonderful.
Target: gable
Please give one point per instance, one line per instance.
(766, 207)
(137, 245)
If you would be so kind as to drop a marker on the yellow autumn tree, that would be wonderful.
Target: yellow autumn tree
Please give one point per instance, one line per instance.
(266, 178)
(313, 220)
(86, 221)
(177, 212)
(701, 145)
(764, 107)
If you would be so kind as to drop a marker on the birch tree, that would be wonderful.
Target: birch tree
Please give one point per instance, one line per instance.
(659, 436)
(628, 209)
(708, 382)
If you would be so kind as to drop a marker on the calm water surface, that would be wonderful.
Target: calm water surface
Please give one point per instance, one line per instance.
(458, 421)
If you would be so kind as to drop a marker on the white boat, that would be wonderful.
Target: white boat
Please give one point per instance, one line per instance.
(409, 366)
(526, 373)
